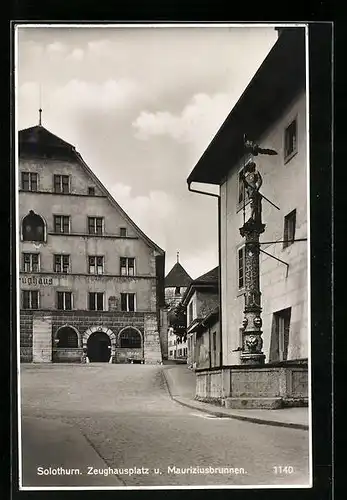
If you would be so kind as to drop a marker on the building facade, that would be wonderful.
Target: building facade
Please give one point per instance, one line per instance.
(91, 282)
(273, 112)
(201, 302)
(176, 283)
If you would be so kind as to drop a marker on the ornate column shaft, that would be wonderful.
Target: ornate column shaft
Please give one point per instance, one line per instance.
(252, 342)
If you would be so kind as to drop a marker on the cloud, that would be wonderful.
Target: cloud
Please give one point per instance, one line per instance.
(200, 262)
(104, 96)
(100, 47)
(56, 48)
(31, 50)
(151, 213)
(76, 55)
(197, 123)
(29, 90)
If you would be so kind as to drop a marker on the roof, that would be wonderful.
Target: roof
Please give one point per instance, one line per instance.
(279, 79)
(209, 277)
(201, 323)
(178, 276)
(40, 142)
(208, 280)
(37, 141)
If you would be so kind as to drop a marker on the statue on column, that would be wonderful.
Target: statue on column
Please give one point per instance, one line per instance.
(253, 181)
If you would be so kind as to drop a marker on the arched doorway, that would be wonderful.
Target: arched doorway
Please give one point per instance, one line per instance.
(99, 347)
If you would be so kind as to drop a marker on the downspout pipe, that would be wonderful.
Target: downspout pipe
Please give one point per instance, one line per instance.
(219, 260)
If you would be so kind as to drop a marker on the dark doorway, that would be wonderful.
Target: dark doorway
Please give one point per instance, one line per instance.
(99, 347)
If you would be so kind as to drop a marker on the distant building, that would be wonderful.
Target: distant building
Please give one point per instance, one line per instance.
(91, 282)
(201, 301)
(272, 112)
(176, 283)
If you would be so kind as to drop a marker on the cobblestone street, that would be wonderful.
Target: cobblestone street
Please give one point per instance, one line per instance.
(124, 415)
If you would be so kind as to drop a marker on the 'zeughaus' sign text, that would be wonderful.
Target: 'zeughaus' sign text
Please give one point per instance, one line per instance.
(33, 280)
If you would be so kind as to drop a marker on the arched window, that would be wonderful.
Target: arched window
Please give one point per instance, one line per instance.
(130, 338)
(67, 337)
(33, 227)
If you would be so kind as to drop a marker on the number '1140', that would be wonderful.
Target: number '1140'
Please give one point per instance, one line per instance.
(283, 469)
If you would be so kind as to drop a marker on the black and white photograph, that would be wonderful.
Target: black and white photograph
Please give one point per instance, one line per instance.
(163, 256)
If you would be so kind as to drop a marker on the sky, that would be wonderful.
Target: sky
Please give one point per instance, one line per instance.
(141, 105)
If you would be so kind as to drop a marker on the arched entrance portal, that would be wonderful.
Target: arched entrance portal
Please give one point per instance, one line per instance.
(99, 347)
(92, 348)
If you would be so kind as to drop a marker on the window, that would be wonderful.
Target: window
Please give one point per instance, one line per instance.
(29, 181)
(214, 348)
(61, 263)
(127, 302)
(30, 299)
(127, 266)
(170, 353)
(178, 290)
(190, 312)
(64, 301)
(241, 268)
(91, 190)
(95, 225)
(290, 140)
(130, 338)
(33, 227)
(96, 301)
(289, 229)
(62, 224)
(61, 184)
(280, 335)
(67, 338)
(31, 262)
(123, 231)
(96, 264)
(214, 341)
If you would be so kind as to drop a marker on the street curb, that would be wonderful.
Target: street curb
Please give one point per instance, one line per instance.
(218, 413)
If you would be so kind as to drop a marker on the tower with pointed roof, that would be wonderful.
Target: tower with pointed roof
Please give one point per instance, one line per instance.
(176, 283)
(91, 282)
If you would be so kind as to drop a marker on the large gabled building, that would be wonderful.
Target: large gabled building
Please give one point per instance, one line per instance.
(91, 282)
